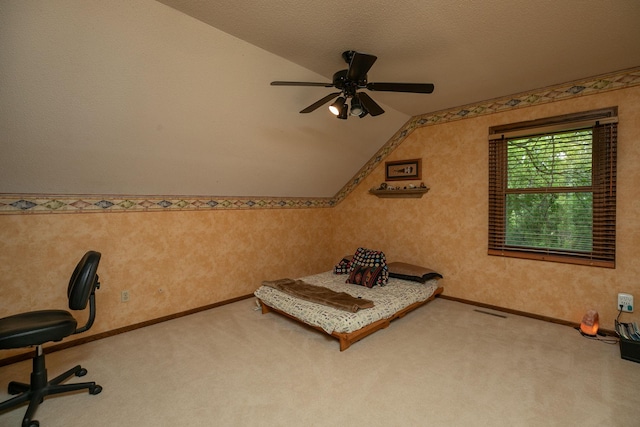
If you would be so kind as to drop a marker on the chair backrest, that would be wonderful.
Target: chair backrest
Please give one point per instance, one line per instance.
(84, 281)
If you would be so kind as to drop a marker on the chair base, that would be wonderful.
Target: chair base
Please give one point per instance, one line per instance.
(40, 387)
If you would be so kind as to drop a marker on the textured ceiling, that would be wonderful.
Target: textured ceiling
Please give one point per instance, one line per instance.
(470, 50)
(172, 97)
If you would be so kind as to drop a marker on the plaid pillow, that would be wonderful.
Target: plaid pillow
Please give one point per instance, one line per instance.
(369, 258)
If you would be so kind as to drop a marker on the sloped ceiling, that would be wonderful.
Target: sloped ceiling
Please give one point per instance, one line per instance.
(173, 97)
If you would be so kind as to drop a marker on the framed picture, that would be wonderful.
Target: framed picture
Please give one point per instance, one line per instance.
(403, 170)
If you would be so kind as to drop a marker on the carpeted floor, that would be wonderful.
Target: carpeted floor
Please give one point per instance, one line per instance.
(445, 364)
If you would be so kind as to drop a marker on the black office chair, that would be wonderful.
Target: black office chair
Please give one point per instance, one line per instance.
(38, 327)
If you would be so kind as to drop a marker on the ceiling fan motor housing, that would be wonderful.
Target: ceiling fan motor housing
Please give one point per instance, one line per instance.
(349, 87)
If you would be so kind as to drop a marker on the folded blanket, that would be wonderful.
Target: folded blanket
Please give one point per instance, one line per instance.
(319, 294)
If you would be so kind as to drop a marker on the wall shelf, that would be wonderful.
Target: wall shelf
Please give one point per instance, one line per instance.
(415, 193)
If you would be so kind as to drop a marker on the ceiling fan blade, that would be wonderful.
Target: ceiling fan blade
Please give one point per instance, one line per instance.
(278, 83)
(360, 65)
(370, 105)
(321, 102)
(402, 87)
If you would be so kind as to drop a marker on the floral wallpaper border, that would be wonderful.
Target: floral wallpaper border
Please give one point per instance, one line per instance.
(43, 203)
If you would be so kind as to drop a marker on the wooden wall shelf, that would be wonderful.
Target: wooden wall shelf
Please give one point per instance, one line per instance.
(415, 193)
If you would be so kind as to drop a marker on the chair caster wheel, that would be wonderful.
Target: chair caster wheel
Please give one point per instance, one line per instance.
(95, 389)
(81, 373)
(31, 423)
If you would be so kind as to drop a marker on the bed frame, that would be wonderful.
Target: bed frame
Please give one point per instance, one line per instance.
(348, 338)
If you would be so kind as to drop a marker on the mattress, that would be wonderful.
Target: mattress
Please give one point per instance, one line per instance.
(389, 299)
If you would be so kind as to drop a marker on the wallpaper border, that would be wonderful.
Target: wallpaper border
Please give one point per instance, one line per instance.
(47, 203)
(587, 86)
(42, 203)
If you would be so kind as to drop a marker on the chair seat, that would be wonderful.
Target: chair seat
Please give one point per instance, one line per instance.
(35, 328)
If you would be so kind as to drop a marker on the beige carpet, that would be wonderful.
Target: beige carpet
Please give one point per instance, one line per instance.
(442, 365)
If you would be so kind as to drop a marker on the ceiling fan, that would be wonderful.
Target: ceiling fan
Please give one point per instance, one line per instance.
(349, 81)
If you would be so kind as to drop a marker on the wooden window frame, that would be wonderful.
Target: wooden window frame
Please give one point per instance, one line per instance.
(604, 153)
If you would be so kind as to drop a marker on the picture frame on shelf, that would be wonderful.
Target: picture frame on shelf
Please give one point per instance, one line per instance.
(403, 170)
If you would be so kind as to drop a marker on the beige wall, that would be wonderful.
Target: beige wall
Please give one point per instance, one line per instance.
(447, 228)
(168, 261)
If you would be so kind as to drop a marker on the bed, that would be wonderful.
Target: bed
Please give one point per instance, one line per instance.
(395, 299)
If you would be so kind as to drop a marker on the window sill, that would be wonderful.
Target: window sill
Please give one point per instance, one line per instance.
(552, 258)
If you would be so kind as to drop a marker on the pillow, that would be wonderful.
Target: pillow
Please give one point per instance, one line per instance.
(364, 276)
(415, 273)
(343, 266)
(370, 258)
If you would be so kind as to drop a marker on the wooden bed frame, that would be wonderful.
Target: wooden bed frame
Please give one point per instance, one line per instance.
(348, 338)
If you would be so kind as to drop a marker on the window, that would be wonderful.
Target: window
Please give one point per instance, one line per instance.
(552, 189)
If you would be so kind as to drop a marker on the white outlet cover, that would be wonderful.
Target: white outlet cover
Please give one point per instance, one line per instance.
(626, 301)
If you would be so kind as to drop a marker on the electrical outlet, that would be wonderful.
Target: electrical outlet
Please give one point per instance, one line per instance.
(124, 296)
(626, 301)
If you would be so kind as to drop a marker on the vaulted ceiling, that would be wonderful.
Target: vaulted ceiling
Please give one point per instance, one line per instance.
(173, 96)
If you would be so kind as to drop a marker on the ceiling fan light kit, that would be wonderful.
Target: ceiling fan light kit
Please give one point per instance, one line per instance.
(349, 81)
(356, 106)
(337, 107)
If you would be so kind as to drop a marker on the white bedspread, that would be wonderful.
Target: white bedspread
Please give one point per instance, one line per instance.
(389, 299)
